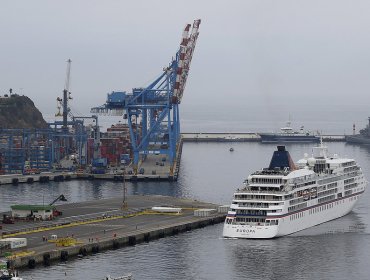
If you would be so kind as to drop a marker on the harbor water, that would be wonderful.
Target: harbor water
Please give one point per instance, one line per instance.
(339, 249)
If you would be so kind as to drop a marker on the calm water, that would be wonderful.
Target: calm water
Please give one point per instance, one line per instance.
(336, 250)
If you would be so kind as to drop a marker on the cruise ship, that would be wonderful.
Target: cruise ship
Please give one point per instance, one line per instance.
(286, 197)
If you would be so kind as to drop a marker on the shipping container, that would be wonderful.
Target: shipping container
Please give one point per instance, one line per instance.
(14, 243)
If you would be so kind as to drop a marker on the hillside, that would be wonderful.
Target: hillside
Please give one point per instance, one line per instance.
(20, 112)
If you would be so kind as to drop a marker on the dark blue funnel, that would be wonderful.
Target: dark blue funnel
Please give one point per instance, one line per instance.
(281, 159)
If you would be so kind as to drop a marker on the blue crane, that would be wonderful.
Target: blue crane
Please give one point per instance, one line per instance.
(153, 112)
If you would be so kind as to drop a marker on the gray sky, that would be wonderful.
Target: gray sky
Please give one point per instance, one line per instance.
(254, 59)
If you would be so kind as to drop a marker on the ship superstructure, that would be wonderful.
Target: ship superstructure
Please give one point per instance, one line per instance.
(288, 135)
(286, 198)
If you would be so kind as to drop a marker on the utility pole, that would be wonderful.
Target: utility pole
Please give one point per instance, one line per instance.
(124, 200)
(66, 92)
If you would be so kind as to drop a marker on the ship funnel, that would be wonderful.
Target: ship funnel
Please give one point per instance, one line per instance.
(281, 160)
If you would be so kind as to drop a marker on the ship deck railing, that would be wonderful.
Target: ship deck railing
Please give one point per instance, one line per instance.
(252, 224)
(247, 190)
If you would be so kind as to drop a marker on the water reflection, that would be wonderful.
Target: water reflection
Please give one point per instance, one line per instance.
(304, 257)
(339, 249)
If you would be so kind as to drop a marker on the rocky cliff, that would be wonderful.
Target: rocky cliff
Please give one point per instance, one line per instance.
(20, 112)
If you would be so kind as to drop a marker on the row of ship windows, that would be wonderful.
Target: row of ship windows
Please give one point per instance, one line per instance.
(256, 197)
(328, 186)
(353, 168)
(325, 193)
(347, 181)
(259, 221)
(312, 211)
(345, 164)
(326, 198)
(297, 207)
(252, 212)
(321, 208)
(256, 204)
(311, 194)
(350, 186)
(338, 178)
(250, 220)
(266, 181)
(297, 216)
(304, 184)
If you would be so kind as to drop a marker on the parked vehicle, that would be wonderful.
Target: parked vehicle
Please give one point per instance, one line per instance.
(7, 219)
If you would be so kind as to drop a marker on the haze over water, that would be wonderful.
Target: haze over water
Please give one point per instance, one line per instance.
(339, 249)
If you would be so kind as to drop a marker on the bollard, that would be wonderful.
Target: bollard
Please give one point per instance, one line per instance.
(132, 240)
(82, 252)
(31, 263)
(115, 244)
(95, 249)
(63, 256)
(147, 237)
(46, 259)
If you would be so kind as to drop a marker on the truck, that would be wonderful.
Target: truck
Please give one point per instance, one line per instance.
(7, 219)
(99, 166)
(56, 212)
(14, 243)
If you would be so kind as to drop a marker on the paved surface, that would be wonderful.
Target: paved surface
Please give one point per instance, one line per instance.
(88, 222)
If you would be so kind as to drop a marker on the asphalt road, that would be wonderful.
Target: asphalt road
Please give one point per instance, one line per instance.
(90, 224)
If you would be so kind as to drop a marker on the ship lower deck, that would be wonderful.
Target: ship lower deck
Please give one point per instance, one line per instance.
(293, 222)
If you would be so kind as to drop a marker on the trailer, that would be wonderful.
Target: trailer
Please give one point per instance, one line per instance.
(14, 243)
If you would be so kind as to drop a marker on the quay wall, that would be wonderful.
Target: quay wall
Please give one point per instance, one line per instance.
(241, 137)
(42, 177)
(129, 239)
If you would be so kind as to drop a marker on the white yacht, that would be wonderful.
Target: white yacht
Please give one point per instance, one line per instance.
(286, 198)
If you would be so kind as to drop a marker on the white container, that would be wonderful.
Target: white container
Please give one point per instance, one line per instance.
(167, 209)
(223, 209)
(14, 242)
(204, 212)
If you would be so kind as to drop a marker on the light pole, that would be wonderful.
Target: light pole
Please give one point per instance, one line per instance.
(124, 201)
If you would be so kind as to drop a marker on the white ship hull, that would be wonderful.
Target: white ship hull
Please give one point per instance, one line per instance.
(291, 223)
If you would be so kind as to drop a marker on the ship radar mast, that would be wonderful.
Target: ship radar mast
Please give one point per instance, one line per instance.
(321, 150)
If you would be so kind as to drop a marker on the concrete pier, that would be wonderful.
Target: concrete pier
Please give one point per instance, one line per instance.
(101, 225)
(156, 167)
(42, 177)
(241, 137)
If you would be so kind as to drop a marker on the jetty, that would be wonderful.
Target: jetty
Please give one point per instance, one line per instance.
(91, 227)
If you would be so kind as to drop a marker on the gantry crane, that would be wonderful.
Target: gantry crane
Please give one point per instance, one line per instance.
(63, 102)
(153, 112)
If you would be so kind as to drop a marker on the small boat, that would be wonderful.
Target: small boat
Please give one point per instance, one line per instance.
(6, 275)
(231, 149)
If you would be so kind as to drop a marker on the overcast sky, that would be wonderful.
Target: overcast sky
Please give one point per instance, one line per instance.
(256, 59)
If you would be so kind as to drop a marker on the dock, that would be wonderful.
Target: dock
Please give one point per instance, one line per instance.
(241, 137)
(91, 227)
(156, 167)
